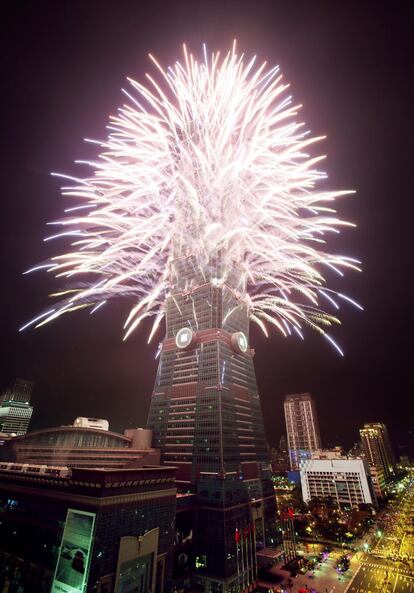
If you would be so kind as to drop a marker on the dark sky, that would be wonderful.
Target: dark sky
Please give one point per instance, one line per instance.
(349, 63)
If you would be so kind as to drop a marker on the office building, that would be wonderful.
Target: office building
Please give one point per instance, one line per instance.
(87, 530)
(345, 480)
(206, 419)
(377, 448)
(280, 456)
(302, 428)
(74, 446)
(15, 408)
(378, 480)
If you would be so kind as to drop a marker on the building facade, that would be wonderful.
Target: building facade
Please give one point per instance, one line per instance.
(15, 408)
(88, 530)
(289, 536)
(377, 448)
(279, 456)
(302, 428)
(73, 446)
(206, 418)
(378, 480)
(347, 481)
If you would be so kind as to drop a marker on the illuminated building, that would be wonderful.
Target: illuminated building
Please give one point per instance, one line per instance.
(15, 408)
(378, 480)
(104, 529)
(377, 448)
(75, 446)
(302, 428)
(206, 418)
(343, 479)
(288, 536)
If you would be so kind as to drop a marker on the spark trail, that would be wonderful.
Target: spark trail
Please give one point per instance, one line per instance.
(208, 157)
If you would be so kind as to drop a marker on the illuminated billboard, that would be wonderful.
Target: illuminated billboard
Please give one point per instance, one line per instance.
(73, 561)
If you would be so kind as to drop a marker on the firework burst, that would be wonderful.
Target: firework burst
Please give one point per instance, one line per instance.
(206, 158)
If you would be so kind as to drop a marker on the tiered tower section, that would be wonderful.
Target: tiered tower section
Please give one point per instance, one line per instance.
(206, 417)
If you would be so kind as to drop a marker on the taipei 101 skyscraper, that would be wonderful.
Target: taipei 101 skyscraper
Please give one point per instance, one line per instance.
(203, 211)
(206, 419)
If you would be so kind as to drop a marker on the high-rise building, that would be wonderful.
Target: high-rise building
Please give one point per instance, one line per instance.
(283, 446)
(378, 481)
(206, 418)
(15, 408)
(302, 428)
(377, 448)
(279, 456)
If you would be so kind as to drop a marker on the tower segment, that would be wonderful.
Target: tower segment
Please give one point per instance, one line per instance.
(206, 418)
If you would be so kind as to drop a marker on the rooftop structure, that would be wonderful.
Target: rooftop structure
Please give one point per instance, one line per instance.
(98, 423)
(335, 453)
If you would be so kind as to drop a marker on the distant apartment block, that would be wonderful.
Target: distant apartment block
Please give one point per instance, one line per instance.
(377, 448)
(302, 428)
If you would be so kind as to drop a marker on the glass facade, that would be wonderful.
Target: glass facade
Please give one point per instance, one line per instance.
(33, 511)
(15, 408)
(206, 418)
(302, 428)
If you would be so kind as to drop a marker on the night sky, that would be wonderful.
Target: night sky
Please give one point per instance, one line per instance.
(350, 64)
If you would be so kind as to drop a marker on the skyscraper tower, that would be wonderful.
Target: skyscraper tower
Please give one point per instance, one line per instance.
(206, 418)
(377, 448)
(15, 408)
(302, 428)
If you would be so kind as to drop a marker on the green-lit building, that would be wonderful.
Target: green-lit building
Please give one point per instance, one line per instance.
(15, 408)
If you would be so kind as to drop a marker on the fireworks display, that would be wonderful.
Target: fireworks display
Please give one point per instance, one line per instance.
(207, 158)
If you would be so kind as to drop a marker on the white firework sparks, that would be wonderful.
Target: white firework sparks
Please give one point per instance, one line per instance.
(207, 158)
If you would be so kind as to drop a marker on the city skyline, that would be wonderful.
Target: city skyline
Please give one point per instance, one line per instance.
(225, 408)
(69, 362)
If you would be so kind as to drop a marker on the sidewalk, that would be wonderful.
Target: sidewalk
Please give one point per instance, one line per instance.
(322, 580)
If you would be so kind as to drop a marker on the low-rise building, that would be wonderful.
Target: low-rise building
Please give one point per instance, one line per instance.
(343, 479)
(77, 446)
(87, 530)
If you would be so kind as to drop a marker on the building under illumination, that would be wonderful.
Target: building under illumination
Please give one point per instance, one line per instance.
(87, 530)
(206, 419)
(302, 428)
(74, 446)
(343, 479)
(15, 408)
(377, 448)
